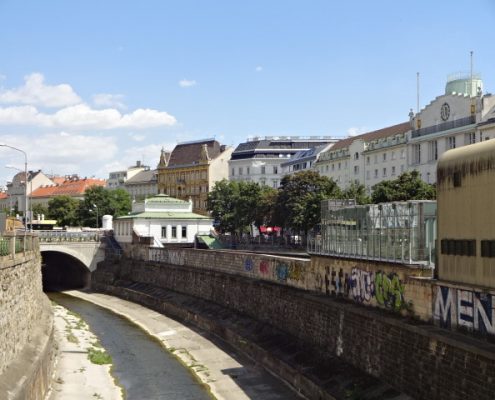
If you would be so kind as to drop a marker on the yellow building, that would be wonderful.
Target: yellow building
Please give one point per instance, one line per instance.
(192, 170)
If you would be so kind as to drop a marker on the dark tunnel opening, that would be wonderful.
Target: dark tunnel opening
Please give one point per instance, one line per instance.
(61, 271)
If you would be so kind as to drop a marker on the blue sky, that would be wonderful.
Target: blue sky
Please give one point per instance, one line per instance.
(92, 86)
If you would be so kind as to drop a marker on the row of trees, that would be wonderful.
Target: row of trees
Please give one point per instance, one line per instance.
(97, 202)
(295, 205)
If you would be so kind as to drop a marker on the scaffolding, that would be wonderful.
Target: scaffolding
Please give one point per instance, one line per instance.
(400, 232)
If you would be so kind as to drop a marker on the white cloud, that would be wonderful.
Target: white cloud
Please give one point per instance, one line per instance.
(81, 116)
(109, 100)
(35, 92)
(187, 83)
(259, 68)
(354, 131)
(137, 137)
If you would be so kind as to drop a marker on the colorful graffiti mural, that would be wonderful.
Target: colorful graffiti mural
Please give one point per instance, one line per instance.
(472, 310)
(363, 286)
(264, 267)
(248, 264)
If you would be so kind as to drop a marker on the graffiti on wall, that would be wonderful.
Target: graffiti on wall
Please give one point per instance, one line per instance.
(264, 267)
(248, 264)
(467, 309)
(362, 286)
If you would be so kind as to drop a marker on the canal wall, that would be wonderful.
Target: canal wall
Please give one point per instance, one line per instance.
(414, 357)
(26, 327)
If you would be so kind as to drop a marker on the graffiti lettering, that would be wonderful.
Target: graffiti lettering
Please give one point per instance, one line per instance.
(282, 272)
(472, 310)
(248, 264)
(388, 290)
(264, 267)
(362, 285)
(340, 283)
(295, 272)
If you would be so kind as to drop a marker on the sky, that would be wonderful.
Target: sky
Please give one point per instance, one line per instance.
(92, 86)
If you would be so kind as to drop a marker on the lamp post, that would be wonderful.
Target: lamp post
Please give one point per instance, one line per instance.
(96, 209)
(25, 188)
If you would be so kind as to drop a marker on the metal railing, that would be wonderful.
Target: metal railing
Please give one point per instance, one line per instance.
(12, 244)
(457, 123)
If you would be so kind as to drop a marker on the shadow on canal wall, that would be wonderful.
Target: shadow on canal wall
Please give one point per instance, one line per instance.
(314, 342)
(26, 327)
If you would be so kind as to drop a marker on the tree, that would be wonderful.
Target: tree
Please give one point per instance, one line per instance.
(265, 209)
(39, 209)
(356, 191)
(99, 201)
(234, 205)
(407, 186)
(65, 210)
(299, 199)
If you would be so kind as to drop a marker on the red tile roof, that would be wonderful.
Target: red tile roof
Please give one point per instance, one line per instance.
(3, 195)
(374, 135)
(73, 188)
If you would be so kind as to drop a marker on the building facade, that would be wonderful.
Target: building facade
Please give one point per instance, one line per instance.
(117, 179)
(166, 221)
(192, 170)
(260, 159)
(368, 158)
(142, 185)
(304, 160)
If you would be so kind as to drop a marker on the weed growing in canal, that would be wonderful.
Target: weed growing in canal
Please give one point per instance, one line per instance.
(71, 338)
(99, 357)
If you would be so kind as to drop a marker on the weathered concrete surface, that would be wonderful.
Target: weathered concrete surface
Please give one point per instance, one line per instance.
(227, 375)
(75, 377)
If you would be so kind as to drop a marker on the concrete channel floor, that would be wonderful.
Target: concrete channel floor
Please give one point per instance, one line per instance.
(228, 375)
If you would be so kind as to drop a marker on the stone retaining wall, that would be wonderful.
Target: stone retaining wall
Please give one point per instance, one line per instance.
(26, 329)
(418, 359)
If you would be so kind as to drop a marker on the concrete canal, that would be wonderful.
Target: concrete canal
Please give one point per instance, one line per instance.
(140, 364)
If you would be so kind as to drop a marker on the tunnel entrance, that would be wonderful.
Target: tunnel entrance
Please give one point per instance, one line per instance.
(61, 271)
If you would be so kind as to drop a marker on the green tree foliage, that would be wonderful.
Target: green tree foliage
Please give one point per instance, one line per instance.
(299, 199)
(39, 209)
(99, 201)
(65, 210)
(266, 206)
(356, 191)
(236, 205)
(407, 186)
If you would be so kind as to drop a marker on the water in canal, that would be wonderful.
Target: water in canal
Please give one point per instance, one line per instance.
(141, 365)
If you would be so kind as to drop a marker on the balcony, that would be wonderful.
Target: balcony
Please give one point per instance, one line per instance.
(457, 123)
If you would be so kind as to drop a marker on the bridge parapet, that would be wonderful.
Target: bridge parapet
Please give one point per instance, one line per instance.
(65, 236)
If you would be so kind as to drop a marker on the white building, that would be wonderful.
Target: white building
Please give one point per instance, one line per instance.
(457, 118)
(117, 179)
(260, 159)
(304, 160)
(165, 220)
(368, 158)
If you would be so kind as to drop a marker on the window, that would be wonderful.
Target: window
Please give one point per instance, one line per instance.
(333, 167)
(376, 173)
(403, 153)
(275, 183)
(376, 159)
(384, 172)
(164, 231)
(184, 232)
(240, 170)
(356, 155)
(488, 248)
(275, 169)
(263, 170)
(174, 232)
(402, 168)
(356, 169)
(368, 160)
(470, 138)
(393, 155)
(384, 157)
(417, 154)
(248, 171)
(339, 166)
(432, 150)
(456, 247)
(450, 142)
(393, 171)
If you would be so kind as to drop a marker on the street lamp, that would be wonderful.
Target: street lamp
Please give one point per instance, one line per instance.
(96, 209)
(25, 188)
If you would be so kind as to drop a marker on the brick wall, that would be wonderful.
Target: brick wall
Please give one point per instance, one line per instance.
(418, 359)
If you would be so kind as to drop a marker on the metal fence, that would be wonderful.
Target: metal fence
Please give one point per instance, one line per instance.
(402, 232)
(64, 236)
(12, 244)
